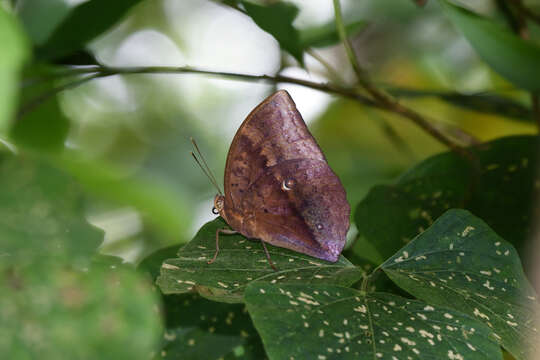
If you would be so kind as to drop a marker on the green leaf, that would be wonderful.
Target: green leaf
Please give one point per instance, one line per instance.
(40, 18)
(326, 35)
(52, 312)
(241, 261)
(390, 216)
(163, 207)
(508, 54)
(40, 126)
(197, 328)
(459, 262)
(42, 215)
(332, 322)
(14, 54)
(83, 24)
(152, 263)
(277, 20)
(202, 329)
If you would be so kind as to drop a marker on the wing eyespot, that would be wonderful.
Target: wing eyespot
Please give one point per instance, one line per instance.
(288, 184)
(319, 226)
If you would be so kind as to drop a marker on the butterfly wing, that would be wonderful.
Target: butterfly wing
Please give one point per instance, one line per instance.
(301, 205)
(273, 145)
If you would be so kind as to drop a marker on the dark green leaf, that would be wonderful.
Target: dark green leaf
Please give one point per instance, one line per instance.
(390, 216)
(52, 312)
(40, 124)
(277, 20)
(14, 54)
(42, 215)
(326, 35)
(332, 322)
(152, 263)
(202, 329)
(508, 54)
(241, 261)
(84, 23)
(459, 262)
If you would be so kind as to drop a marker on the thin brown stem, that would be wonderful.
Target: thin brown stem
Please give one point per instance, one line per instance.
(94, 72)
(387, 102)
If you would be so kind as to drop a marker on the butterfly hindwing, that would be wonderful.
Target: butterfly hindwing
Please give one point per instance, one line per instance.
(300, 205)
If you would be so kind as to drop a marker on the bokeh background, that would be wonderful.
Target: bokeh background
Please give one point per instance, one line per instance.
(128, 139)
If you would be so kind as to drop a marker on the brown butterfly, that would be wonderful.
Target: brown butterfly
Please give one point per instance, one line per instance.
(279, 187)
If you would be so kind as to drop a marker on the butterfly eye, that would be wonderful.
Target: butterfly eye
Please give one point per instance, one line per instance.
(319, 226)
(215, 211)
(288, 184)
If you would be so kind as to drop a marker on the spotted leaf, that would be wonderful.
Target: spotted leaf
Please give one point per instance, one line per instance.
(333, 322)
(241, 261)
(390, 216)
(459, 262)
(197, 328)
(202, 329)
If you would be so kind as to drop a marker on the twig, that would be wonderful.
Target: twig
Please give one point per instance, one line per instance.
(102, 71)
(35, 102)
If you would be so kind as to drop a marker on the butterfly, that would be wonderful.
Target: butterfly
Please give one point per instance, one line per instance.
(279, 187)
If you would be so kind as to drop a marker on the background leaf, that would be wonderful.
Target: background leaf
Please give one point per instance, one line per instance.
(83, 24)
(241, 261)
(332, 322)
(508, 54)
(42, 126)
(14, 54)
(459, 262)
(277, 20)
(480, 102)
(326, 35)
(390, 216)
(53, 312)
(42, 215)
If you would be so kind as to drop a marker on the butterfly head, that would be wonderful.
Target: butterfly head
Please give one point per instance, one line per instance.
(219, 204)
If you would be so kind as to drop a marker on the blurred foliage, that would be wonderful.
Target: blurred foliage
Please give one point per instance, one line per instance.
(96, 172)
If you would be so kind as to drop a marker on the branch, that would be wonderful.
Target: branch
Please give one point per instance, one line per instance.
(386, 101)
(94, 72)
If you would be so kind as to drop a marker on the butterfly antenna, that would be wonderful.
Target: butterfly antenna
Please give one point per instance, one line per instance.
(205, 168)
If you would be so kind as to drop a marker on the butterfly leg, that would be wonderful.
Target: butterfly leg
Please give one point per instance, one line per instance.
(268, 256)
(222, 231)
